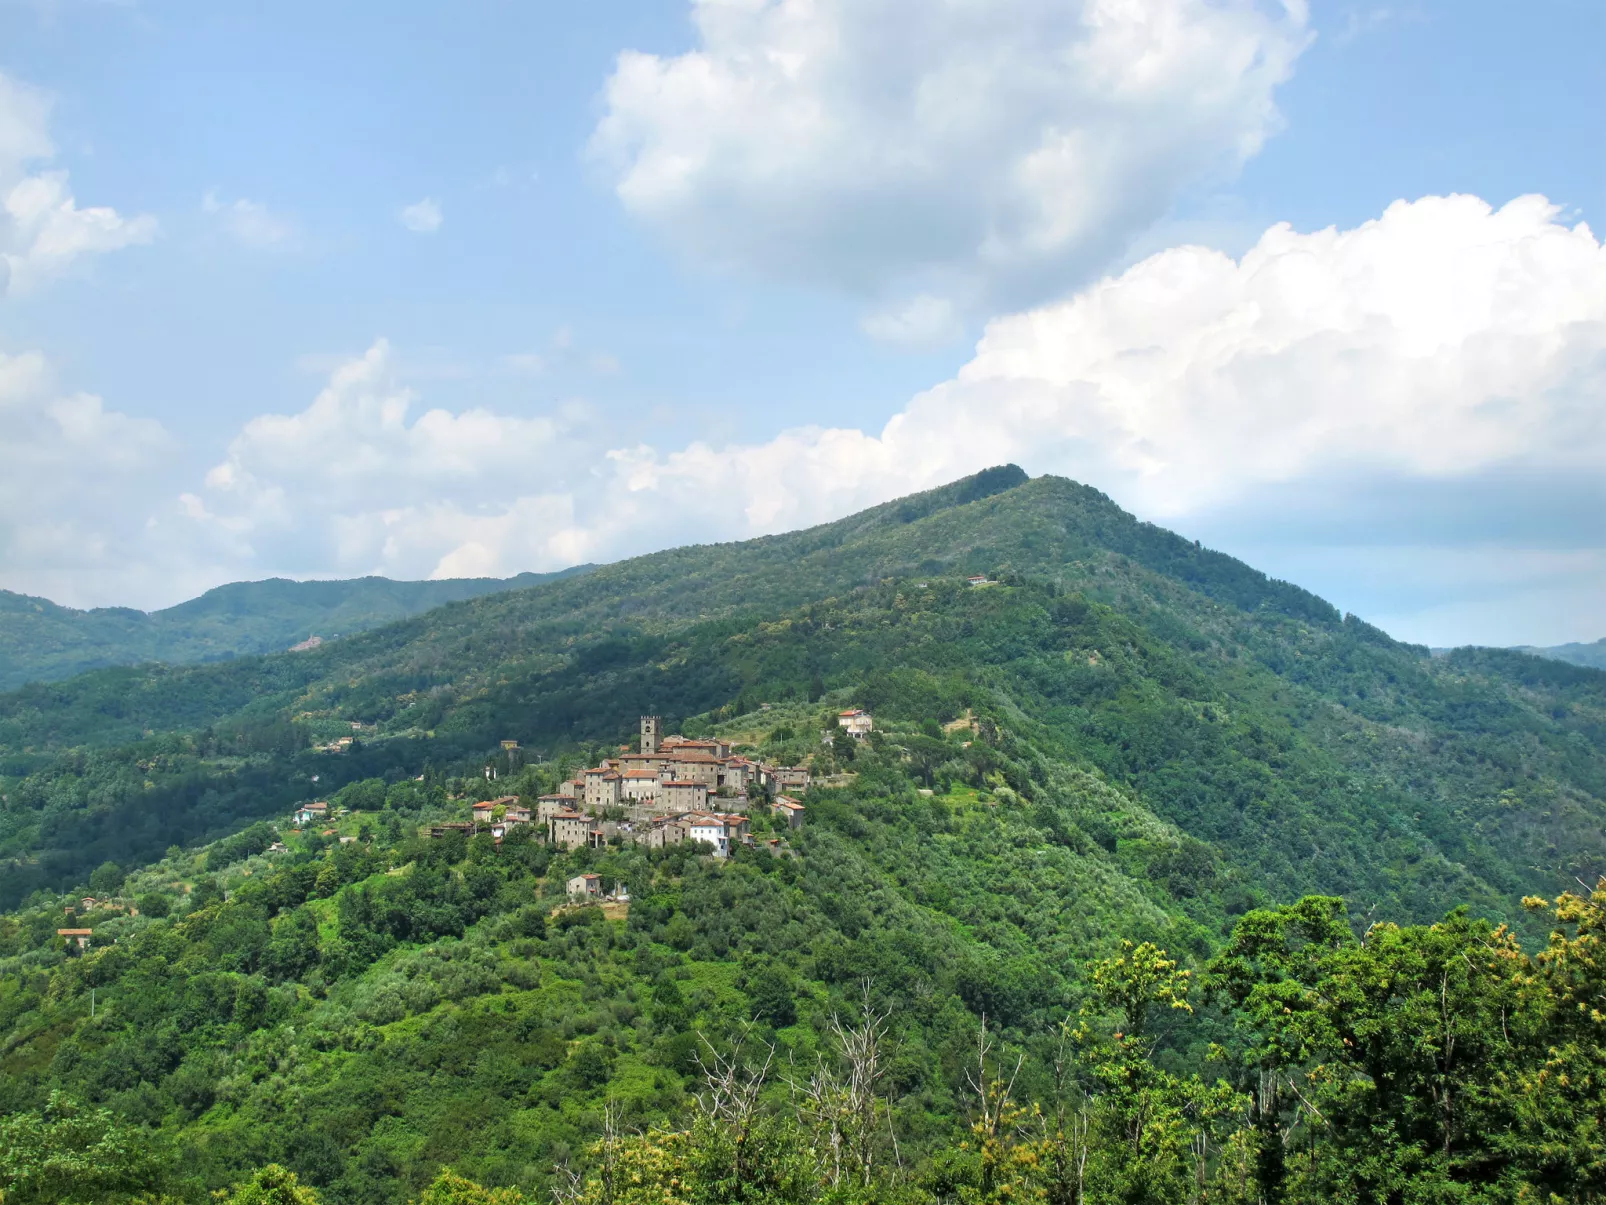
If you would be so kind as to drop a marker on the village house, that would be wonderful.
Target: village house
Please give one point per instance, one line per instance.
(856, 722)
(585, 887)
(794, 778)
(516, 813)
(80, 936)
(570, 830)
(665, 831)
(739, 774)
(720, 830)
(683, 796)
(549, 806)
(483, 810)
(638, 785)
(602, 788)
(694, 767)
(682, 744)
(309, 813)
(788, 809)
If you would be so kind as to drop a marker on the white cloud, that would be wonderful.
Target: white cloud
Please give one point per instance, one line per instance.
(77, 482)
(42, 228)
(920, 321)
(357, 479)
(1423, 395)
(422, 217)
(983, 153)
(249, 222)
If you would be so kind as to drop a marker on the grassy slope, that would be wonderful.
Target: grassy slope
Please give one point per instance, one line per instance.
(43, 642)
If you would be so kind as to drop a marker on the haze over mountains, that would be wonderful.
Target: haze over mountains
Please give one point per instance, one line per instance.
(43, 642)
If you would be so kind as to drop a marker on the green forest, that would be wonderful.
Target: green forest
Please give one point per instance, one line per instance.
(43, 642)
(1156, 881)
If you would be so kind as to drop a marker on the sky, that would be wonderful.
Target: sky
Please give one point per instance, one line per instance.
(472, 289)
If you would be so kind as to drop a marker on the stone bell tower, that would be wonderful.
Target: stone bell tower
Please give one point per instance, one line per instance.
(650, 731)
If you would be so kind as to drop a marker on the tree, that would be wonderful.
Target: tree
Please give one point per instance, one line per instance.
(106, 879)
(272, 1185)
(70, 1155)
(449, 1188)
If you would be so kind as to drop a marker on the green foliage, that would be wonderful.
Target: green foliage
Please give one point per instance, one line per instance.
(272, 1185)
(43, 642)
(69, 1155)
(1128, 738)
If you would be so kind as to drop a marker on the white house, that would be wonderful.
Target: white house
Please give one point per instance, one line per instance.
(855, 721)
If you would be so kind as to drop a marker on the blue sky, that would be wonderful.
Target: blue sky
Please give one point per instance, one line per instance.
(427, 290)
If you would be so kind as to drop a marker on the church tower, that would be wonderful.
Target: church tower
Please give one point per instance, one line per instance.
(650, 725)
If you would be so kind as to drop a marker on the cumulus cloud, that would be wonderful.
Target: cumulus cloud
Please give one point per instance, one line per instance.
(76, 481)
(422, 217)
(1409, 416)
(1442, 344)
(249, 222)
(42, 227)
(357, 480)
(986, 154)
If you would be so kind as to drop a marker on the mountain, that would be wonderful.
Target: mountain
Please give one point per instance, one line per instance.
(1306, 748)
(1591, 656)
(1114, 734)
(43, 642)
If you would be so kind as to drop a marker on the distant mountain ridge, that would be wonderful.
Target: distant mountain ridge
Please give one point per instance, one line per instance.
(1590, 656)
(41, 641)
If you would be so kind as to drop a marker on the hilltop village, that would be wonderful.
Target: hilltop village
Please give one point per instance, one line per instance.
(667, 790)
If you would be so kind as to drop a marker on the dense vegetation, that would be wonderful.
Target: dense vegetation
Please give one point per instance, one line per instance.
(784, 1029)
(43, 642)
(1591, 656)
(1125, 738)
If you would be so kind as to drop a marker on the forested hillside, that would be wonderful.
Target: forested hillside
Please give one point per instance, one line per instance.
(43, 642)
(1591, 656)
(1118, 736)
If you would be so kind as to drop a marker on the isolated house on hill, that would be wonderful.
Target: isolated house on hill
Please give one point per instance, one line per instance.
(311, 813)
(857, 723)
(585, 887)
